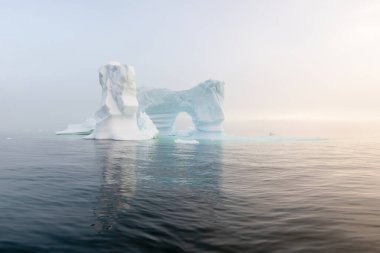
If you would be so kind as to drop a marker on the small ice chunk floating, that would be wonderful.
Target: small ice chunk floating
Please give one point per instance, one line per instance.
(127, 113)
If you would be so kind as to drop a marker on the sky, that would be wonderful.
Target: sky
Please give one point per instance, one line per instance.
(284, 59)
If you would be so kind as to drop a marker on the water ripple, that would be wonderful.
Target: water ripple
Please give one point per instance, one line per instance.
(71, 195)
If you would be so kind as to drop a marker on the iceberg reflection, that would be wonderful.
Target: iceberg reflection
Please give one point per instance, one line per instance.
(148, 180)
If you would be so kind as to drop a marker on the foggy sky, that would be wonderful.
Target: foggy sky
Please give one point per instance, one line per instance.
(279, 59)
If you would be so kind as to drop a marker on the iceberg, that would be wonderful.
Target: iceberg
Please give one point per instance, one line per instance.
(204, 104)
(118, 117)
(127, 113)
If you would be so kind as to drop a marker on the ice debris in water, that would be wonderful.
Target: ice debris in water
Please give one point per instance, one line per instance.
(186, 141)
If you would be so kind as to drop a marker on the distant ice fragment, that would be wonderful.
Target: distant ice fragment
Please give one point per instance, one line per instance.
(186, 141)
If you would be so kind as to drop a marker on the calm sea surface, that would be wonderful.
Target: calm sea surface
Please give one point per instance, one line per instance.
(65, 194)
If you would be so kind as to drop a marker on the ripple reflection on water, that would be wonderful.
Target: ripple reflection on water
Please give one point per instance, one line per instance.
(66, 194)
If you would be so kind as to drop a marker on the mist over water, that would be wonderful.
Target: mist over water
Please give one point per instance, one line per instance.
(63, 193)
(303, 176)
(329, 129)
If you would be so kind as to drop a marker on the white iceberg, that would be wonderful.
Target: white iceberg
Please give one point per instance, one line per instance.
(118, 118)
(127, 114)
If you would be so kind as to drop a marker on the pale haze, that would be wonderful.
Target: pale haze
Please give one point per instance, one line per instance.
(280, 60)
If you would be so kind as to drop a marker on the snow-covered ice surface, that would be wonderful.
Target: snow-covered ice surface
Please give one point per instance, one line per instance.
(118, 118)
(204, 104)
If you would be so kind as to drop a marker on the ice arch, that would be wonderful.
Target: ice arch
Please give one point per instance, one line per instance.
(204, 104)
(182, 122)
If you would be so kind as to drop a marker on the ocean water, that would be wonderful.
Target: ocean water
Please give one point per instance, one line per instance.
(65, 194)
